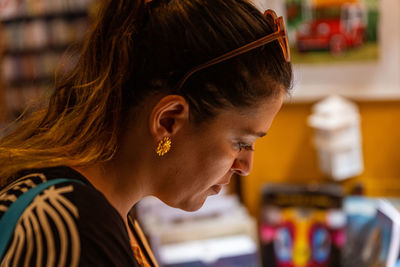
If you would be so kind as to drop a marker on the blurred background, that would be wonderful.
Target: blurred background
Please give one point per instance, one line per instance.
(325, 181)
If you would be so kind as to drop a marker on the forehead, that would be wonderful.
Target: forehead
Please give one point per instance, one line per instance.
(255, 120)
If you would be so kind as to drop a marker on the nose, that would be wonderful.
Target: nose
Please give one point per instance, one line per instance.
(243, 164)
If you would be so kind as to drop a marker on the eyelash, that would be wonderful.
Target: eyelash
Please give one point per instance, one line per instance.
(245, 147)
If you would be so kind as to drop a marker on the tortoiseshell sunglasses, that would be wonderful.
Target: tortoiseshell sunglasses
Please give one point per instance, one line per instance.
(279, 34)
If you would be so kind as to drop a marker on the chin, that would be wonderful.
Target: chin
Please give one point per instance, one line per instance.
(185, 203)
(191, 208)
(191, 205)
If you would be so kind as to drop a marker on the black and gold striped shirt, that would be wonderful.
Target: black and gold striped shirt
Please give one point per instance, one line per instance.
(68, 224)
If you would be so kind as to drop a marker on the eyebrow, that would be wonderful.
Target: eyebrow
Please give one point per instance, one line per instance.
(261, 134)
(257, 134)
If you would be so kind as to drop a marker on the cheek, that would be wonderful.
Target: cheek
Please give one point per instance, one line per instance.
(202, 163)
(196, 173)
(215, 164)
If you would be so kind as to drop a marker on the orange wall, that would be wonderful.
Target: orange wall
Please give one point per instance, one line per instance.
(286, 154)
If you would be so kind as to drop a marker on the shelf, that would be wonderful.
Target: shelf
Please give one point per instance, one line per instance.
(35, 51)
(68, 15)
(42, 37)
(22, 82)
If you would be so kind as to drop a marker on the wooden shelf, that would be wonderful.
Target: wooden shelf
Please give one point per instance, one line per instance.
(3, 109)
(36, 51)
(68, 15)
(30, 68)
(30, 81)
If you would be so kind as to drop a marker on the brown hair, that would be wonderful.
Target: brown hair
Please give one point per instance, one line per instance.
(136, 49)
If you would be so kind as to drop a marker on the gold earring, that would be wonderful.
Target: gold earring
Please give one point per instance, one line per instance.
(164, 146)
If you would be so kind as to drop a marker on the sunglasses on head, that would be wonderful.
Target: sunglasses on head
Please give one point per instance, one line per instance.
(279, 34)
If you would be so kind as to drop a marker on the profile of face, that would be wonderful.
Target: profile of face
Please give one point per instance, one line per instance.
(204, 157)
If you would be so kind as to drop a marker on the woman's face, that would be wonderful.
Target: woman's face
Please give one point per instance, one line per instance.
(203, 158)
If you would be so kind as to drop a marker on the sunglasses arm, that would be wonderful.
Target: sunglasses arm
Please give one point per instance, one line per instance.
(241, 50)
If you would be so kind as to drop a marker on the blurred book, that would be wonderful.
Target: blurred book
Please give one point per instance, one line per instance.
(220, 234)
(40, 39)
(302, 225)
(229, 251)
(373, 230)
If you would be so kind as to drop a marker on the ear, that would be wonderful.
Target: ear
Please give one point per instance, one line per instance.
(168, 116)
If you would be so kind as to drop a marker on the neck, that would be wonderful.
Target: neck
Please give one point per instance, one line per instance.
(122, 190)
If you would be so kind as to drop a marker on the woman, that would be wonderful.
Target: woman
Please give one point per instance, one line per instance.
(167, 99)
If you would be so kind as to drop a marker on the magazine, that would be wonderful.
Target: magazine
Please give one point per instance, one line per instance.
(302, 225)
(373, 232)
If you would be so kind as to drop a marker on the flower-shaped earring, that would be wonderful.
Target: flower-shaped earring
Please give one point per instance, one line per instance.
(164, 146)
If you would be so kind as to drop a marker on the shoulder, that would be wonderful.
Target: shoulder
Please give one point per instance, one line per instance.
(103, 235)
(66, 224)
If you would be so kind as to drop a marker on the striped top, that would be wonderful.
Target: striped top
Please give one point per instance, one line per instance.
(69, 224)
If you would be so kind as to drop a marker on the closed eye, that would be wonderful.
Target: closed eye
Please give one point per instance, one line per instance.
(245, 146)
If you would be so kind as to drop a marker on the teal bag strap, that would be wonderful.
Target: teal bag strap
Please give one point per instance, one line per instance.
(14, 212)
